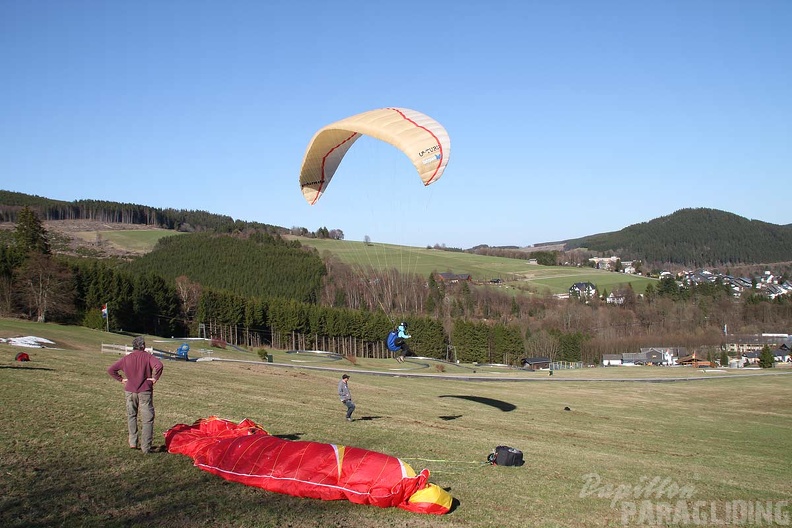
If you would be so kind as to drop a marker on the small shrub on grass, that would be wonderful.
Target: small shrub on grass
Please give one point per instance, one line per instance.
(439, 367)
(352, 359)
(93, 319)
(724, 359)
(766, 358)
(218, 343)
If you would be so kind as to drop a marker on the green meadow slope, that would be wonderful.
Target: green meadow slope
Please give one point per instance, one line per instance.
(65, 462)
(516, 274)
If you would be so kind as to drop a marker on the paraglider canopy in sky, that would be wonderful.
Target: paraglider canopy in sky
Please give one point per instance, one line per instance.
(420, 137)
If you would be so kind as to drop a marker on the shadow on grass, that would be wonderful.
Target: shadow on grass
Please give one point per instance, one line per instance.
(292, 436)
(498, 404)
(314, 356)
(369, 418)
(23, 368)
(450, 417)
(150, 490)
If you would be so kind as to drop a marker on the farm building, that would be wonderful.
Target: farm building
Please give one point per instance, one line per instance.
(693, 361)
(535, 363)
(611, 360)
(583, 290)
(647, 356)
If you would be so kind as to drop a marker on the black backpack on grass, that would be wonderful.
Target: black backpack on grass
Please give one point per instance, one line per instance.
(506, 456)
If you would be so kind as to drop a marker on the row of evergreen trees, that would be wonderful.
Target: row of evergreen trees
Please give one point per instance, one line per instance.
(11, 203)
(256, 264)
(280, 319)
(139, 303)
(148, 304)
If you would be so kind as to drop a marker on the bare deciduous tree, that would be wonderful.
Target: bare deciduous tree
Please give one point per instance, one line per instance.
(44, 287)
(189, 294)
(542, 344)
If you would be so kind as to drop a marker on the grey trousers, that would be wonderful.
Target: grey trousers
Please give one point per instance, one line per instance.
(140, 403)
(350, 408)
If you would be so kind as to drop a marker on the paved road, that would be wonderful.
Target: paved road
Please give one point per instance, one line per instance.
(403, 373)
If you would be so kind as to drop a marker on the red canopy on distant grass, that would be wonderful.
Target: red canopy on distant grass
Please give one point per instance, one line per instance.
(22, 356)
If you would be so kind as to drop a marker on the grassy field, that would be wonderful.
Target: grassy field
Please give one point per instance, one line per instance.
(517, 274)
(64, 459)
(132, 240)
(514, 272)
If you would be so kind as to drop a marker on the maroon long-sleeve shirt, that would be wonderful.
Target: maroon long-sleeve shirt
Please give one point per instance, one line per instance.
(137, 366)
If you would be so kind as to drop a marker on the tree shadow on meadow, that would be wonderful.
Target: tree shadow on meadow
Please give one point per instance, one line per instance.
(167, 491)
(450, 417)
(498, 404)
(368, 418)
(24, 368)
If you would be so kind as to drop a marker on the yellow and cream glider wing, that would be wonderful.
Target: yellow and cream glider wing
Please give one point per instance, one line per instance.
(420, 137)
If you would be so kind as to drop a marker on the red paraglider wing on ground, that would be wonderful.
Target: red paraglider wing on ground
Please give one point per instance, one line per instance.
(246, 453)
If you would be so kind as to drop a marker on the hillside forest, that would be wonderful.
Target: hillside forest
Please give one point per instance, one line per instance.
(246, 285)
(696, 238)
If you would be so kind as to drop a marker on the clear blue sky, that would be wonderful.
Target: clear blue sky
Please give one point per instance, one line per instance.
(567, 118)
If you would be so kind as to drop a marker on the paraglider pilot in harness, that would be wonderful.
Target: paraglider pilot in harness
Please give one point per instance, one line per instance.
(397, 342)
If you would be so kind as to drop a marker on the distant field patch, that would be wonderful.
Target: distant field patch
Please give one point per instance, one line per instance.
(515, 273)
(132, 240)
(603, 280)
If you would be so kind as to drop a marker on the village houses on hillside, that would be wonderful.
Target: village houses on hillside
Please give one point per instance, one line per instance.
(743, 351)
(766, 284)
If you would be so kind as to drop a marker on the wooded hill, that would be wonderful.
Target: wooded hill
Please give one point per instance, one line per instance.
(697, 238)
(124, 213)
(259, 265)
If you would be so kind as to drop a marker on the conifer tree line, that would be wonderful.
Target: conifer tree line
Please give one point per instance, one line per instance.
(11, 203)
(255, 289)
(253, 264)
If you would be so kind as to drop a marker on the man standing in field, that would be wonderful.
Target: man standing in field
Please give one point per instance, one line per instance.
(141, 371)
(346, 396)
